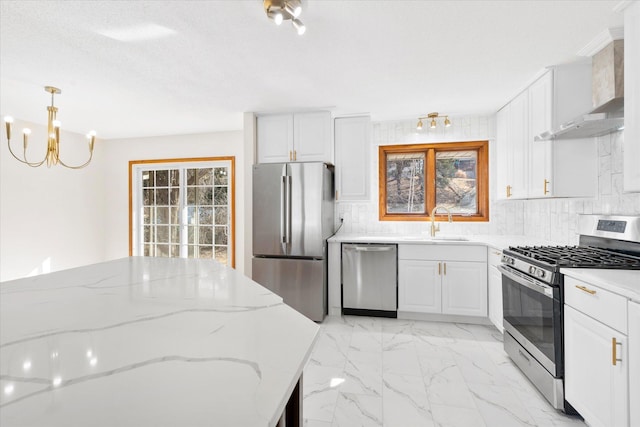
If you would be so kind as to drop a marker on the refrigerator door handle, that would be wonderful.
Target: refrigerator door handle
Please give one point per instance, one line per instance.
(283, 204)
(289, 207)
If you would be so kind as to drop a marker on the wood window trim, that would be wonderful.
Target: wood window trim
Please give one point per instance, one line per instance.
(230, 159)
(482, 148)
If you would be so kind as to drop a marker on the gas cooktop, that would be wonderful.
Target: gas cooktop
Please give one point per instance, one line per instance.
(576, 257)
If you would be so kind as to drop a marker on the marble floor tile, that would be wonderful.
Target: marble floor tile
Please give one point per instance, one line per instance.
(452, 416)
(405, 401)
(355, 410)
(367, 371)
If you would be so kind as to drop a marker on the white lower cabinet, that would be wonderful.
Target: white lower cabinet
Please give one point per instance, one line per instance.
(494, 286)
(596, 354)
(442, 279)
(634, 363)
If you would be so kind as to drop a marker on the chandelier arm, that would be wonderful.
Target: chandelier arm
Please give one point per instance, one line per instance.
(25, 161)
(77, 167)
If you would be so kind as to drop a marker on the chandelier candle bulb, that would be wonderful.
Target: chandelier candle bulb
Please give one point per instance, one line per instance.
(7, 123)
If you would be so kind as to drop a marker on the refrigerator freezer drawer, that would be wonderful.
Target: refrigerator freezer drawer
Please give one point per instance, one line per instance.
(369, 277)
(300, 282)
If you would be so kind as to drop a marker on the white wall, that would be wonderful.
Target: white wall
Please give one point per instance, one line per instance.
(50, 218)
(116, 179)
(362, 217)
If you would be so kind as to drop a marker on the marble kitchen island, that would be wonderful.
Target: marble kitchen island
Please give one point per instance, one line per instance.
(149, 342)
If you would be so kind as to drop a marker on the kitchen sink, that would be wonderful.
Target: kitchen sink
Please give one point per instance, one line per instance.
(437, 238)
(451, 238)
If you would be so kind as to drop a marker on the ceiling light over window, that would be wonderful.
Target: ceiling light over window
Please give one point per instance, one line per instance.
(432, 123)
(282, 10)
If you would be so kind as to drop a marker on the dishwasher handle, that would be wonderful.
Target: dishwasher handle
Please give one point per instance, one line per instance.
(373, 248)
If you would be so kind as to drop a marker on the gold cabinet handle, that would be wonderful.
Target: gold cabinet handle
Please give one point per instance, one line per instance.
(290, 155)
(497, 253)
(614, 351)
(546, 189)
(508, 191)
(439, 270)
(295, 155)
(587, 290)
(445, 268)
(336, 194)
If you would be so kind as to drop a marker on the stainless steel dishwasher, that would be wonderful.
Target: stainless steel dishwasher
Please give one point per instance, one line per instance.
(370, 279)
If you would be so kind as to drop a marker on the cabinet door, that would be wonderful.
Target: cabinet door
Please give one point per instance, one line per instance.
(419, 286)
(517, 146)
(275, 138)
(593, 385)
(312, 137)
(502, 148)
(634, 363)
(631, 97)
(464, 288)
(352, 141)
(495, 297)
(540, 110)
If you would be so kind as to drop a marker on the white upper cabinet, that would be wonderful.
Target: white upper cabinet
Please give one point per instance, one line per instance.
(352, 142)
(301, 137)
(512, 129)
(632, 97)
(565, 167)
(275, 138)
(558, 168)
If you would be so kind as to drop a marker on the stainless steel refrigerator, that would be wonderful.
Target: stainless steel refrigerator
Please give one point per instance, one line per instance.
(293, 210)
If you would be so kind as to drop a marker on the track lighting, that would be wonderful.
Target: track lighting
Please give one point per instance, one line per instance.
(432, 123)
(281, 10)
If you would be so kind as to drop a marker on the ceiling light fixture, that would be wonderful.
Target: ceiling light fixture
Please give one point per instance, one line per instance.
(433, 123)
(281, 10)
(52, 156)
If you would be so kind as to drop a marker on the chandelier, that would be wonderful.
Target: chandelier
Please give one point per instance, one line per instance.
(432, 123)
(52, 155)
(281, 10)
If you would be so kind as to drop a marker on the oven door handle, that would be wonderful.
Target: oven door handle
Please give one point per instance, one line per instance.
(534, 285)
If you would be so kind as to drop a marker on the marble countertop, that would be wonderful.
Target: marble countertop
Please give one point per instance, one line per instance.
(621, 282)
(495, 241)
(147, 342)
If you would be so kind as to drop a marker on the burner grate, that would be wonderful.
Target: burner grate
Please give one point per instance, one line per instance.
(578, 256)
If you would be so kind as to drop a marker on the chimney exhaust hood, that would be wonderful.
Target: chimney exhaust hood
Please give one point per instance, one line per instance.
(607, 86)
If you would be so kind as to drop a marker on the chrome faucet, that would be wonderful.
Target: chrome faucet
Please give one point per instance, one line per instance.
(435, 228)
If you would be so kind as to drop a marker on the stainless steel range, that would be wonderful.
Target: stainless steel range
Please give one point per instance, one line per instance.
(533, 294)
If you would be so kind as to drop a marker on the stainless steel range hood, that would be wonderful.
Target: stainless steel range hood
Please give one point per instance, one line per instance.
(608, 97)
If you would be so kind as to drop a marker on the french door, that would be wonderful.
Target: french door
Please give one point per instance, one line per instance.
(183, 208)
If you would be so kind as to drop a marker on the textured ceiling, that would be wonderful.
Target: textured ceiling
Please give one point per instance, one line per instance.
(392, 59)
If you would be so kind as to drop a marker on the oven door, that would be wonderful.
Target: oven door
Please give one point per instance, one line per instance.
(532, 315)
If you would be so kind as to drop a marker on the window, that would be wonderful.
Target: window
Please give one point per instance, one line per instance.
(416, 178)
(182, 208)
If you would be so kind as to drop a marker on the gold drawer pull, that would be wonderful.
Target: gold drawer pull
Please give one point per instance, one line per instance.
(445, 268)
(439, 269)
(614, 351)
(587, 290)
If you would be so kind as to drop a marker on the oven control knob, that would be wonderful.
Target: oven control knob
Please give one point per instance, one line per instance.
(532, 270)
(540, 273)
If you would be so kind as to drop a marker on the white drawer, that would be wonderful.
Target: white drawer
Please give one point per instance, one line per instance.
(494, 256)
(440, 252)
(602, 305)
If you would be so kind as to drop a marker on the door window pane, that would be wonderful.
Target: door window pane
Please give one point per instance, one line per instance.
(405, 183)
(456, 173)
